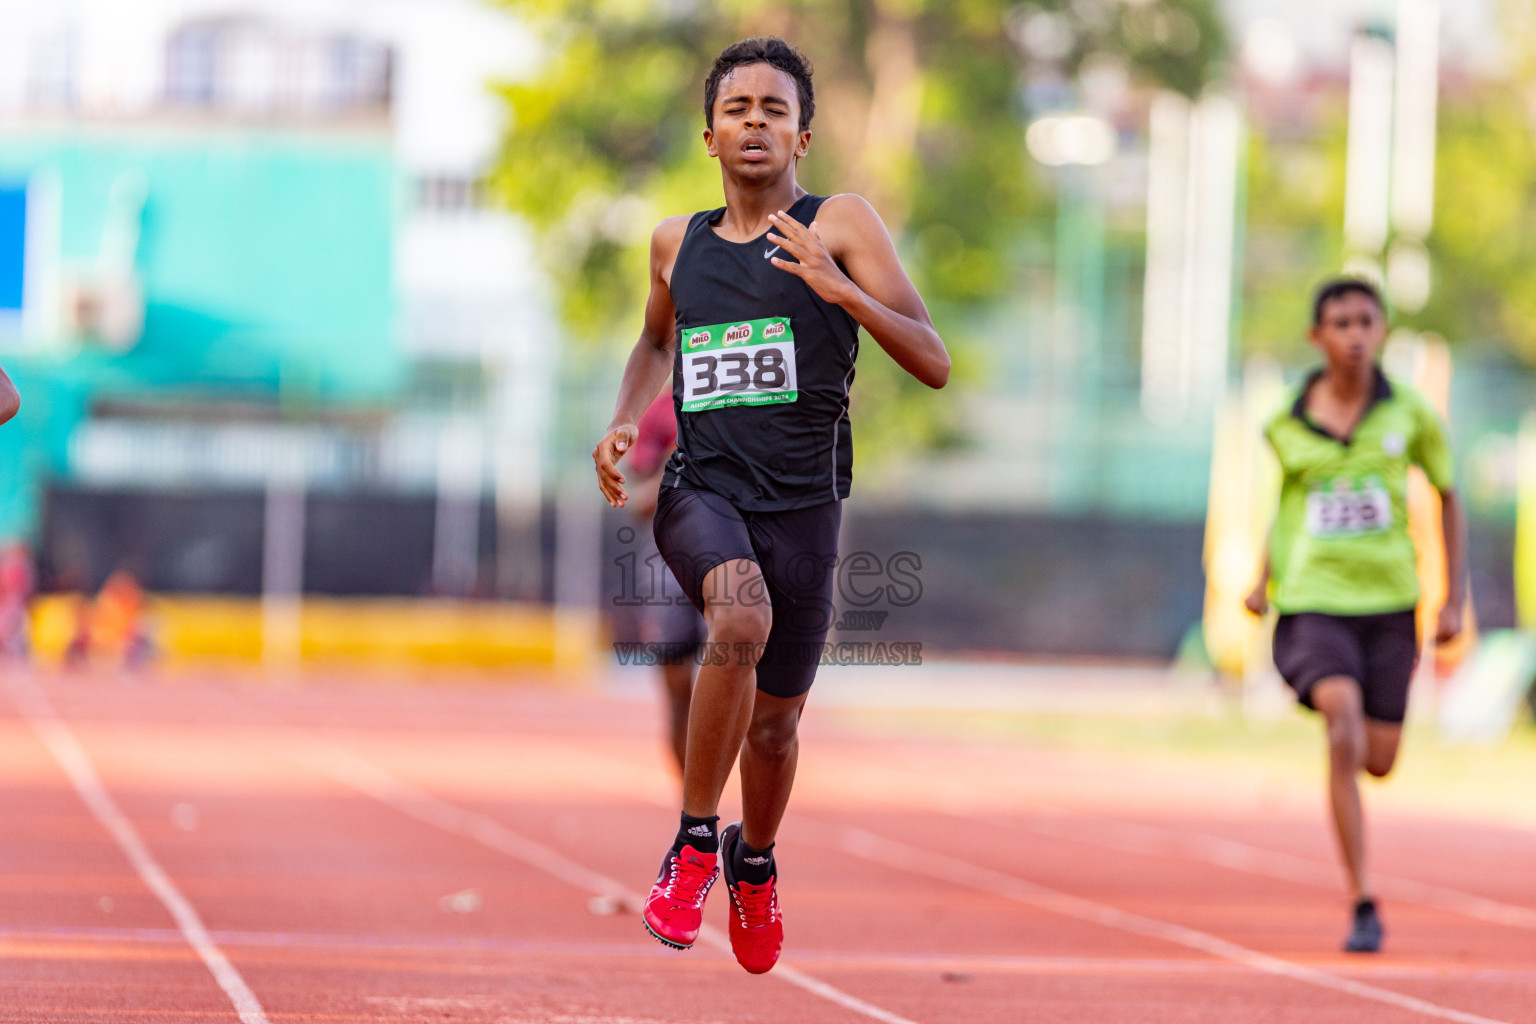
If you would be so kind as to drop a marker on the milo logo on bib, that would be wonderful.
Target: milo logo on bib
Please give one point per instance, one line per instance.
(749, 362)
(1348, 508)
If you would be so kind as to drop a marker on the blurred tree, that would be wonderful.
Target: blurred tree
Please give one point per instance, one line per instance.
(920, 108)
(1483, 243)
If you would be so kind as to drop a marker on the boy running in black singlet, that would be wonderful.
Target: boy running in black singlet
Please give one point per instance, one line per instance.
(1340, 566)
(754, 312)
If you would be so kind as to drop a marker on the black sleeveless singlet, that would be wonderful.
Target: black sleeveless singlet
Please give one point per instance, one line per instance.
(780, 454)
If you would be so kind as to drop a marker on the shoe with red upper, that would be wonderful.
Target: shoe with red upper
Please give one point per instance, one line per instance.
(757, 924)
(675, 908)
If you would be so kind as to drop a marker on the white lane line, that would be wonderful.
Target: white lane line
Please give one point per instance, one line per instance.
(913, 860)
(22, 939)
(368, 778)
(76, 763)
(970, 802)
(1134, 837)
(963, 873)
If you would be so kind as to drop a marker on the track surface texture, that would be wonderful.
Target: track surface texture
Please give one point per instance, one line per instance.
(213, 848)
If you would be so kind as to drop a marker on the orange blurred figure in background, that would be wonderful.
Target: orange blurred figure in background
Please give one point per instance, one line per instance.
(114, 626)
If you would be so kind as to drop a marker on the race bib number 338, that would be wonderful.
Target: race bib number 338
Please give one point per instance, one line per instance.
(750, 362)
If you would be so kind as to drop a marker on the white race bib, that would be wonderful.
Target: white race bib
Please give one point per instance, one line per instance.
(751, 362)
(1363, 509)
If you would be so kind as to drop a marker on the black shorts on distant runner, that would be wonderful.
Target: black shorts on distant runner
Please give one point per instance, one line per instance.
(667, 624)
(796, 552)
(1379, 652)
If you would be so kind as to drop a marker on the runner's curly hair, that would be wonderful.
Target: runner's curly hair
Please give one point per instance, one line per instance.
(774, 52)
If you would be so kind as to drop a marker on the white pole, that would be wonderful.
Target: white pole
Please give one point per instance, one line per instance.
(456, 534)
(578, 570)
(1367, 175)
(1164, 398)
(1218, 125)
(1408, 271)
(282, 576)
(1418, 86)
(522, 385)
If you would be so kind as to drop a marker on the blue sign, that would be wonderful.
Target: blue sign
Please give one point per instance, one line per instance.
(13, 247)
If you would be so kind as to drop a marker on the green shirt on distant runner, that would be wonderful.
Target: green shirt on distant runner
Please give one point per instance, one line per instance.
(1340, 542)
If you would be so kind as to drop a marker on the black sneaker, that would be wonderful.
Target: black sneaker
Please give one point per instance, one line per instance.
(1366, 936)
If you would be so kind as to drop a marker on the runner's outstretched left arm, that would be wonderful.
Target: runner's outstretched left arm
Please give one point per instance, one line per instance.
(649, 365)
(847, 257)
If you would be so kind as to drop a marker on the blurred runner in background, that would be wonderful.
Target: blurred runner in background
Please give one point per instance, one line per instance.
(16, 576)
(17, 582)
(1341, 568)
(115, 626)
(669, 623)
(120, 629)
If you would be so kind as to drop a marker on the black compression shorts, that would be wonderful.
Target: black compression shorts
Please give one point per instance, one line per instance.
(1377, 651)
(796, 552)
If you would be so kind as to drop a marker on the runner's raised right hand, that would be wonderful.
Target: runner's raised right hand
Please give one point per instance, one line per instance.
(606, 458)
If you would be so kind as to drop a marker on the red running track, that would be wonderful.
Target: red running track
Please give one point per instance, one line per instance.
(213, 851)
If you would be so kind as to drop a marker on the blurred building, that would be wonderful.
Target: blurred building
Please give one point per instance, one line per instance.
(269, 331)
(244, 245)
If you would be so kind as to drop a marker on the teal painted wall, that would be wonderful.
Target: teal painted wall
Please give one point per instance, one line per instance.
(266, 259)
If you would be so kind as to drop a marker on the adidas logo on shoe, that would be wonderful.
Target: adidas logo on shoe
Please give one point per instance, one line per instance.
(756, 862)
(701, 830)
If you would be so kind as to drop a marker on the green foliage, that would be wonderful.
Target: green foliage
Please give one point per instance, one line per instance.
(1175, 44)
(921, 106)
(1482, 247)
(1484, 241)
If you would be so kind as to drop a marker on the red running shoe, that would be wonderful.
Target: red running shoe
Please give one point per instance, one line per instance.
(757, 924)
(675, 908)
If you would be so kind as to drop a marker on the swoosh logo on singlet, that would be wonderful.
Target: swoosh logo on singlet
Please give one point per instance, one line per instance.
(770, 252)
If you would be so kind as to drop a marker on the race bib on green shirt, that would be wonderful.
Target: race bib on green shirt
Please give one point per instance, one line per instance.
(1349, 509)
(751, 362)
